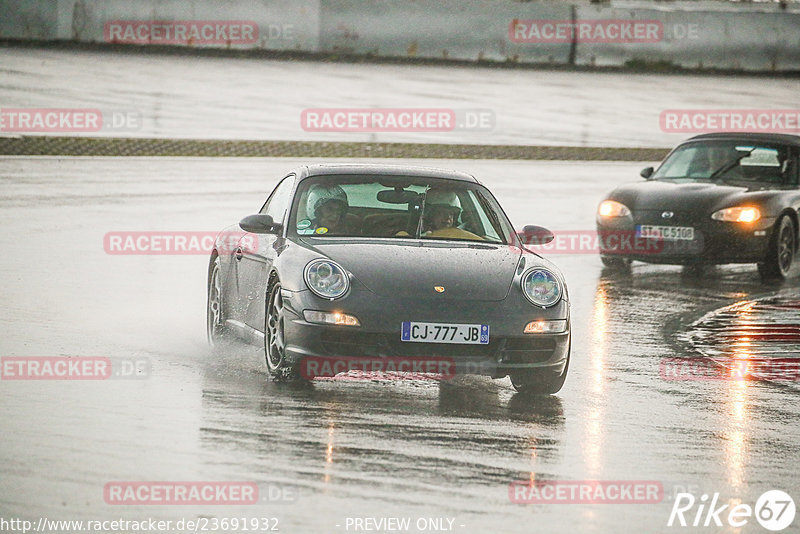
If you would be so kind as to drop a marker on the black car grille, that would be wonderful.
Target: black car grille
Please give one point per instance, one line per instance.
(654, 217)
(344, 343)
(528, 350)
(510, 350)
(676, 247)
(400, 348)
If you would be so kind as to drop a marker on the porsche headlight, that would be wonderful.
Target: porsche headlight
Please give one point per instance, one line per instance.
(742, 214)
(541, 287)
(612, 208)
(326, 279)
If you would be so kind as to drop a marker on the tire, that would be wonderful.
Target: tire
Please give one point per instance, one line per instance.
(696, 270)
(781, 251)
(216, 331)
(274, 340)
(534, 382)
(616, 264)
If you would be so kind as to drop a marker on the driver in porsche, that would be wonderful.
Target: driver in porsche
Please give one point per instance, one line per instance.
(440, 218)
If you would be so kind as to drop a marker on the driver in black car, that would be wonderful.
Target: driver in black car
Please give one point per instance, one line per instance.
(712, 159)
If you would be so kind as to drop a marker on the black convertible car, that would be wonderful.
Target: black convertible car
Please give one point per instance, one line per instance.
(716, 198)
(379, 262)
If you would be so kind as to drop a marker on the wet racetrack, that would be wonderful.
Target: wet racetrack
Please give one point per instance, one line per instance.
(358, 448)
(372, 448)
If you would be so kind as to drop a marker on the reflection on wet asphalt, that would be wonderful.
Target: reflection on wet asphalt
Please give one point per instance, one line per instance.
(754, 338)
(356, 448)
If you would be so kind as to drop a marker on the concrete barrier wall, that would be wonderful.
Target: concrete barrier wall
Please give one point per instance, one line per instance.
(454, 29)
(762, 41)
(34, 19)
(282, 24)
(754, 40)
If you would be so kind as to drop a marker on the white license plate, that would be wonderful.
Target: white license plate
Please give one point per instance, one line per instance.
(470, 334)
(667, 233)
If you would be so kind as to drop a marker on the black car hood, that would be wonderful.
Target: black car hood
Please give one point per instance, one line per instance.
(412, 269)
(677, 195)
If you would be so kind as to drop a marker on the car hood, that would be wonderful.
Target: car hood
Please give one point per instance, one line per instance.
(698, 196)
(413, 268)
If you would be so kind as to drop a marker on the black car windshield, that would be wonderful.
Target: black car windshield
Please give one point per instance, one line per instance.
(397, 207)
(729, 161)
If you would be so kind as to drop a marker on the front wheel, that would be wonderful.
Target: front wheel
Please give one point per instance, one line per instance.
(536, 382)
(616, 264)
(781, 251)
(275, 337)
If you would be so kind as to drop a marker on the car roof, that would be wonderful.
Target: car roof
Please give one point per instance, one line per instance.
(386, 170)
(786, 139)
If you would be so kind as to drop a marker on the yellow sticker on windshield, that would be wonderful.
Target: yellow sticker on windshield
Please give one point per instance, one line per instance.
(321, 230)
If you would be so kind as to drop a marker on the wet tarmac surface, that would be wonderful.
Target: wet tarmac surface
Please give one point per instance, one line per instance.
(759, 339)
(376, 448)
(241, 98)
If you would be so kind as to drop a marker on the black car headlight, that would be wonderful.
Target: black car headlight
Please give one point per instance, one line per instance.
(541, 287)
(740, 214)
(612, 208)
(326, 279)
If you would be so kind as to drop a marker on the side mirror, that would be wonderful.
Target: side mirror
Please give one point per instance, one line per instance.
(535, 235)
(646, 173)
(259, 224)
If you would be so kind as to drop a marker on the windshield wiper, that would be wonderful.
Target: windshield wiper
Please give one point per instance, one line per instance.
(728, 166)
(461, 243)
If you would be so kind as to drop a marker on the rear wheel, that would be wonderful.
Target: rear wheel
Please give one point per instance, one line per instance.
(537, 382)
(781, 251)
(215, 319)
(274, 337)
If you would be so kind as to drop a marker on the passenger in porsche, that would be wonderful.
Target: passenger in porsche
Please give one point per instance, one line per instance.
(327, 207)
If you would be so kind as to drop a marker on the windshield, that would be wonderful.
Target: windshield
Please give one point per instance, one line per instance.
(729, 161)
(399, 208)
